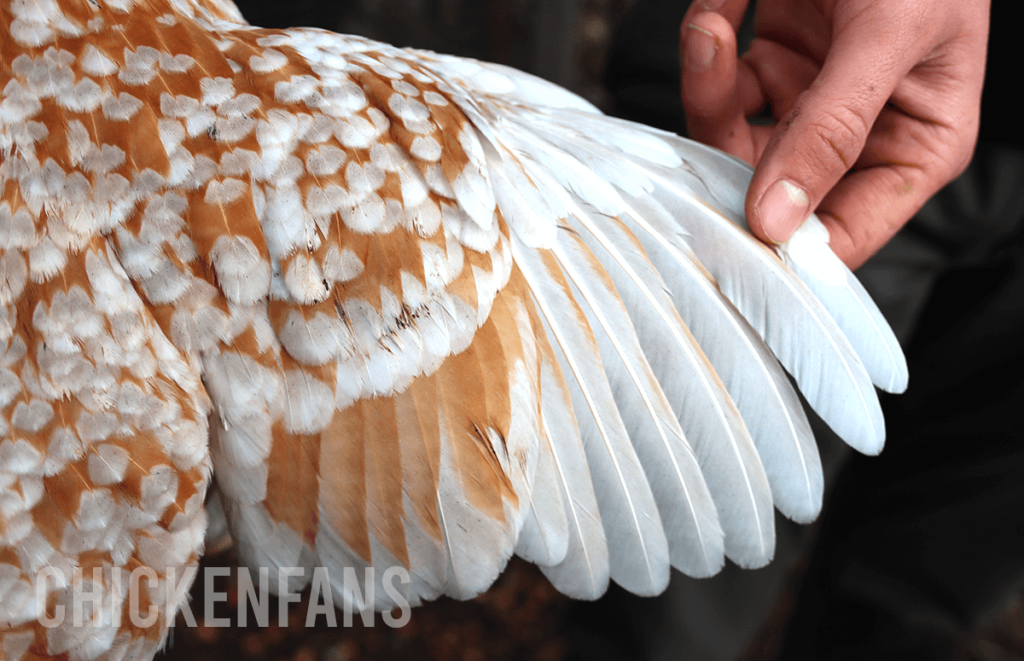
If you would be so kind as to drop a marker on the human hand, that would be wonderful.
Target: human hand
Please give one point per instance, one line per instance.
(877, 106)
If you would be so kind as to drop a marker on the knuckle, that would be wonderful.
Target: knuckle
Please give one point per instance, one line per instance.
(840, 133)
(963, 152)
(950, 149)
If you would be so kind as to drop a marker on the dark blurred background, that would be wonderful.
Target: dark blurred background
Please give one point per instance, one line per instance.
(564, 41)
(918, 553)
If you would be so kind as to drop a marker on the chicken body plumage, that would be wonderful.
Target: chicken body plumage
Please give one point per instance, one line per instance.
(413, 310)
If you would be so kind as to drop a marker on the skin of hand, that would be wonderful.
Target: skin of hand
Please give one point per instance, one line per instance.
(876, 102)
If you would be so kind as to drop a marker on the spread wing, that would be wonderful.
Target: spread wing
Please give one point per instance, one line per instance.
(442, 312)
(576, 358)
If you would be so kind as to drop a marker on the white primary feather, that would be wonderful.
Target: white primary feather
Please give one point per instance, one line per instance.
(753, 377)
(780, 308)
(841, 293)
(686, 509)
(709, 419)
(705, 202)
(732, 469)
(763, 393)
(723, 179)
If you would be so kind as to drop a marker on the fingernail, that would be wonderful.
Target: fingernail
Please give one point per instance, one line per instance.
(701, 46)
(783, 207)
(711, 5)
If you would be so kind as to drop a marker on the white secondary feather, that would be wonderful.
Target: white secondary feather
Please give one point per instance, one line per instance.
(686, 508)
(584, 572)
(544, 539)
(544, 534)
(262, 542)
(780, 308)
(478, 546)
(638, 550)
(428, 561)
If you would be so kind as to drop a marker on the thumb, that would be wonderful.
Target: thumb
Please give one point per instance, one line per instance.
(822, 136)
